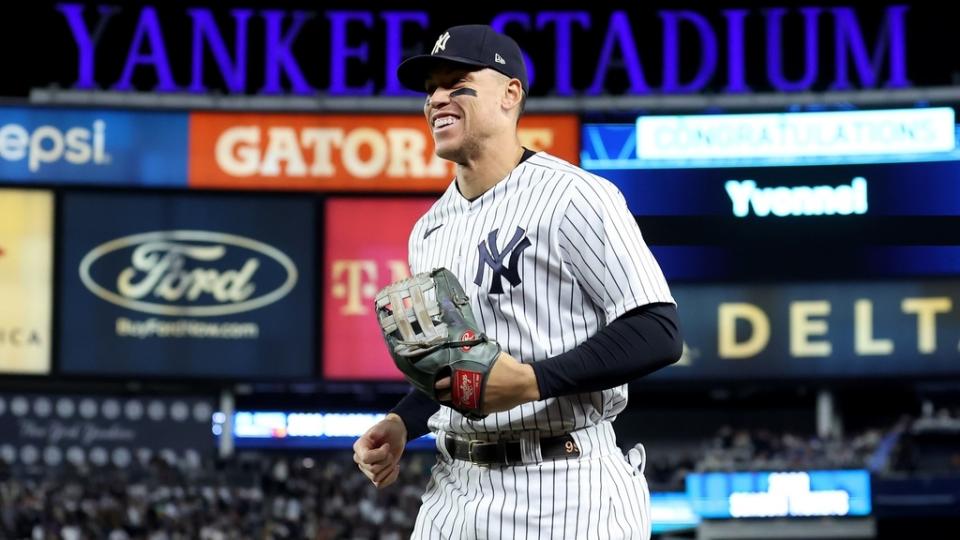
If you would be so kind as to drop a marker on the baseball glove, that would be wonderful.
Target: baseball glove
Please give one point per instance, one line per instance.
(431, 333)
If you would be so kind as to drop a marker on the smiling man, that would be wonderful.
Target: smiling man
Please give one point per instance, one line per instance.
(558, 274)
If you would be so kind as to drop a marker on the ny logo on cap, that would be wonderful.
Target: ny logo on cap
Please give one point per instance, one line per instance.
(441, 44)
(499, 59)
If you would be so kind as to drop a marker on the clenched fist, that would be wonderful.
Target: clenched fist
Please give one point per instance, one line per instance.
(377, 452)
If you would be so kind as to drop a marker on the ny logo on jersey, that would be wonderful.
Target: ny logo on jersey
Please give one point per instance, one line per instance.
(492, 257)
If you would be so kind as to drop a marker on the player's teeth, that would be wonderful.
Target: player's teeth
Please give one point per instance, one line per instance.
(446, 120)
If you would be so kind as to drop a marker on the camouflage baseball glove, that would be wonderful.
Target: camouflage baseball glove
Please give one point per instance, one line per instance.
(431, 333)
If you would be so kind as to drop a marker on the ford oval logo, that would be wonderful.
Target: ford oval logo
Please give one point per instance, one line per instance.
(186, 273)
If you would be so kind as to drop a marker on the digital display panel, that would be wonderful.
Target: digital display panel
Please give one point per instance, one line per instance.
(839, 493)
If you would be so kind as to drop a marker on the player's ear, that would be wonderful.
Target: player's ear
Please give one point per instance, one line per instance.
(512, 95)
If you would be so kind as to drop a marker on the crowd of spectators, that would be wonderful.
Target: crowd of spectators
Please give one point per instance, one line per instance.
(900, 446)
(323, 496)
(253, 497)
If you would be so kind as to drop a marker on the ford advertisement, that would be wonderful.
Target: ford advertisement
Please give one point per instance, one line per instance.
(182, 286)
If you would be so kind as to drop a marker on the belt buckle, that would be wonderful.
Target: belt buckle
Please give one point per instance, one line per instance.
(473, 443)
(470, 446)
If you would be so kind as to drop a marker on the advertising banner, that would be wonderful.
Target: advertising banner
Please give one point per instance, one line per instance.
(362, 256)
(89, 146)
(183, 286)
(340, 152)
(26, 280)
(818, 330)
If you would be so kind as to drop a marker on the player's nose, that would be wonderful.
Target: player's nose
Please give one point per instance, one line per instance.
(439, 98)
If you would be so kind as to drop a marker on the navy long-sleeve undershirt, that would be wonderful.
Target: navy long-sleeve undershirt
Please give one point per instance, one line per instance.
(636, 344)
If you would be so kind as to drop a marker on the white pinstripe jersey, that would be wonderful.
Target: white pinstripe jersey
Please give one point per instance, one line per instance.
(548, 256)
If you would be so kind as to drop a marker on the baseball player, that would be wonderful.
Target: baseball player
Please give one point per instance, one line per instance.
(558, 274)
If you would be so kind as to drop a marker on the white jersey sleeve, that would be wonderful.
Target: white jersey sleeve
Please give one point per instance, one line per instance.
(601, 245)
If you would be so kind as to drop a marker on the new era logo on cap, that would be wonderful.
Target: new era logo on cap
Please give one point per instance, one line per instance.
(498, 59)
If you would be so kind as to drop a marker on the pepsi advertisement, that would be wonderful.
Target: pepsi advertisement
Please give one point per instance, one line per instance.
(89, 146)
(181, 286)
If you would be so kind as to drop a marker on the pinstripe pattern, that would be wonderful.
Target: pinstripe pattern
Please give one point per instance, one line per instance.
(598, 495)
(586, 265)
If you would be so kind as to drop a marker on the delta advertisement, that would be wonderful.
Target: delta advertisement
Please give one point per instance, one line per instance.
(339, 152)
(112, 147)
(55, 430)
(817, 330)
(26, 280)
(362, 256)
(186, 286)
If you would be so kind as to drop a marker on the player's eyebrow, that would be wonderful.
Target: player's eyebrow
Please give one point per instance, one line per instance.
(441, 79)
(451, 75)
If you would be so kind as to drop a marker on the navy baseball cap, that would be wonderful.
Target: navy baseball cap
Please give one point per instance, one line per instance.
(472, 45)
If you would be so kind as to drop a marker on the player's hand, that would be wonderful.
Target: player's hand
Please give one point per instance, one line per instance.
(509, 384)
(377, 452)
